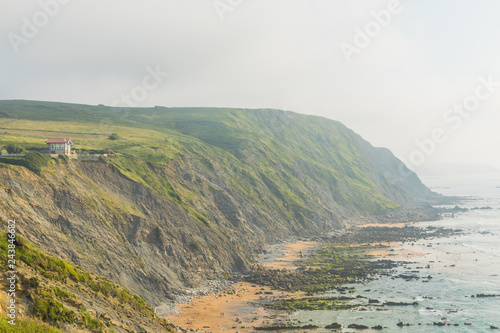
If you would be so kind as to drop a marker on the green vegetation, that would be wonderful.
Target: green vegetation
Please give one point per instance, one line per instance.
(268, 172)
(25, 326)
(90, 322)
(48, 301)
(194, 246)
(34, 161)
(341, 262)
(331, 267)
(114, 136)
(14, 149)
(288, 326)
(312, 303)
(278, 160)
(53, 311)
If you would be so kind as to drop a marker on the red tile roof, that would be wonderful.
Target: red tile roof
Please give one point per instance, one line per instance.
(58, 141)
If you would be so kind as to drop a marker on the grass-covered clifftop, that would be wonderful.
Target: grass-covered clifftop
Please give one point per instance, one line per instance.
(66, 296)
(190, 193)
(281, 150)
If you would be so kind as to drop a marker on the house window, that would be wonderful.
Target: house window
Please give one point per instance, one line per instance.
(56, 146)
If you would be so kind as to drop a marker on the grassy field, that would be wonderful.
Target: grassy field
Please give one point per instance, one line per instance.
(279, 152)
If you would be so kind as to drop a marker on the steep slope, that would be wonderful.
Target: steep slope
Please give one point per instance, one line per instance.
(191, 193)
(68, 297)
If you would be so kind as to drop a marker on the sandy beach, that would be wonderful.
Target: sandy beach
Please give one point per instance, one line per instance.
(227, 311)
(234, 309)
(382, 225)
(292, 254)
(392, 252)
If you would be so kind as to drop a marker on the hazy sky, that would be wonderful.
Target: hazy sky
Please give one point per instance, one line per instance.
(392, 71)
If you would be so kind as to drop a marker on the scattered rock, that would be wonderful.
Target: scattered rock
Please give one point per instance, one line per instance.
(358, 327)
(333, 326)
(439, 323)
(390, 303)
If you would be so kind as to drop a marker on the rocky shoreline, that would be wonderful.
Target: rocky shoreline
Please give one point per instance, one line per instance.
(342, 258)
(208, 288)
(211, 287)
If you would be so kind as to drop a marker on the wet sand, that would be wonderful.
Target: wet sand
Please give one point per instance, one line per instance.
(384, 225)
(391, 250)
(237, 312)
(227, 312)
(391, 253)
(293, 253)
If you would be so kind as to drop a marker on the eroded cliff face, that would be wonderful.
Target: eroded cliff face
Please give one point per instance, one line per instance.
(108, 224)
(85, 213)
(199, 192)
(99, 219)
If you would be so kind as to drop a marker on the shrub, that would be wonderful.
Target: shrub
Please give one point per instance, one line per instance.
(13, 148)
(63, 294)
(114, 136)
(194, 246)
(63, 159)
(36, 161)
(50, 310)
(34, 282)
(90, 322)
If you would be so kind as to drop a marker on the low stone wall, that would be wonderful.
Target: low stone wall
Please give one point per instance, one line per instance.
(72, 156)
(90, 157)
(13, 155)
(80, 157)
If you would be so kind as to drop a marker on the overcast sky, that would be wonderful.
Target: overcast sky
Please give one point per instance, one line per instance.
(392, 71)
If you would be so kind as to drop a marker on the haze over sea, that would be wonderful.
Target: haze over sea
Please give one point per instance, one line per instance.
(460, 266)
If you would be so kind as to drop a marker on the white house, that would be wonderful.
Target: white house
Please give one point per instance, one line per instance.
(59, 146)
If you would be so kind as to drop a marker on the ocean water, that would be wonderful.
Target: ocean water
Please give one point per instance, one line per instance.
(460, 266)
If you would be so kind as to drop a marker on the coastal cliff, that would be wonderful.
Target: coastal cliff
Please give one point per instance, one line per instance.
(188, 194)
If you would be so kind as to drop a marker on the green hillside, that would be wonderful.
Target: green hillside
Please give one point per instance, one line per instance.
(187, 194)
(60, 293)
(268, 147)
